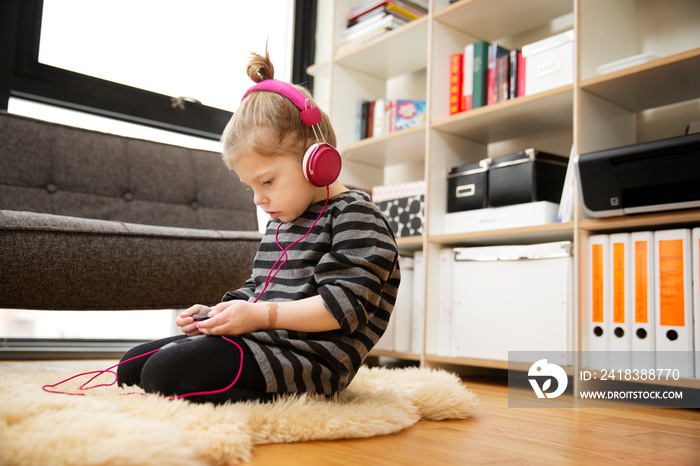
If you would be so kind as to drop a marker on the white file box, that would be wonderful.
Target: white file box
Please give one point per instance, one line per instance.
(512, 298)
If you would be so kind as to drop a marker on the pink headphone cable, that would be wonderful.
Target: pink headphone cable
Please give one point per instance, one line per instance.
(284, 250)
(270, 276)
(85, 386)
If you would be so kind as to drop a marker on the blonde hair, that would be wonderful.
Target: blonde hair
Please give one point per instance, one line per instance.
(268, 123)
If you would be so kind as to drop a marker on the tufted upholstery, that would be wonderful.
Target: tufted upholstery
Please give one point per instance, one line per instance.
(61, 170)
(95, 221)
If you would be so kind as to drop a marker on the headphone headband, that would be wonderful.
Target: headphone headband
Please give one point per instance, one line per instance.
(321, 163)
(310, 115)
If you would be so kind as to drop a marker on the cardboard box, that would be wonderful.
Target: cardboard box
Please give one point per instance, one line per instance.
(549, 63)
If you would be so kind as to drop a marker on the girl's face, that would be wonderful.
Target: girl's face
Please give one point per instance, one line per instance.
(278, 184)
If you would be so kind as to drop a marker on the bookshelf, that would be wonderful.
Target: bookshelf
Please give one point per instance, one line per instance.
(641, 102)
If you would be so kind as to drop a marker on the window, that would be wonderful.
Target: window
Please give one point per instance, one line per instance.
(179, 48)
(174, 65)
(195, 51)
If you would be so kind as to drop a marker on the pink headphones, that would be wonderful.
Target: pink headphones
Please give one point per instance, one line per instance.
(322, 163)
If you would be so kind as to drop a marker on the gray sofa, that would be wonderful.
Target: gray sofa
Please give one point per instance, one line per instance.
(95, 221)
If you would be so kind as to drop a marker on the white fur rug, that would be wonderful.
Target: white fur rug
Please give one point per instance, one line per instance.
(106, 428)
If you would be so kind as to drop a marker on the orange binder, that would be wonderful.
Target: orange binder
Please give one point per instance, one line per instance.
(672, 286)
(596, 324)
(642, 295)
(620, 343)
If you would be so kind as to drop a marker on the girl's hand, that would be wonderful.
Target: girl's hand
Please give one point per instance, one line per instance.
(187, 323)
(234, 318)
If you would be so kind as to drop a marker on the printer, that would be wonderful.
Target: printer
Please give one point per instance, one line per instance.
(648, 177)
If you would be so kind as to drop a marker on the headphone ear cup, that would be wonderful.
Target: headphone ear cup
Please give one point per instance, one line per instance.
(321, 164)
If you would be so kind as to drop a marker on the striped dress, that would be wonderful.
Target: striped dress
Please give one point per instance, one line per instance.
(350, 258)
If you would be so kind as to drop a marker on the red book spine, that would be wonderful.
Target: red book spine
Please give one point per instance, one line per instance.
(456, 83)
(522, 62)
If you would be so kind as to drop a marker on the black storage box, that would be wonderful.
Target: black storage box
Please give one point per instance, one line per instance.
(467, 186)
(526, 176)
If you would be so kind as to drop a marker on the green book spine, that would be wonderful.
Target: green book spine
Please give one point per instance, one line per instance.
(481, 65)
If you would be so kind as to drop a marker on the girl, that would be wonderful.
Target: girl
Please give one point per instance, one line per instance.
(324, 280)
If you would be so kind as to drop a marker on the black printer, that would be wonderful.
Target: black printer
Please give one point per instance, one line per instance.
(647, 177)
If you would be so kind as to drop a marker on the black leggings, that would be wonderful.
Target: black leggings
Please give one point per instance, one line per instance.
(195, 364)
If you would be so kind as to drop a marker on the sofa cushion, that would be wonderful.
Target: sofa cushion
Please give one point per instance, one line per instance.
(69, 263)
(56, 169)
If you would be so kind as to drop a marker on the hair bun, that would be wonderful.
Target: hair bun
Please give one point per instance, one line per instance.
(260, 68)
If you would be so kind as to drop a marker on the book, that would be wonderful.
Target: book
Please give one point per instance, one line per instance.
(456, 81)
(390, 115)
(522, 64)
(360, 116)
(502, 91)
(378, 12)
(378, 118)
(370, 118)
(494, 77)
(410, 9)
(481, 63)
(371, 18)
(365, 117)
(468, 80)
(377, 23)
(517, 74)
(409, 113)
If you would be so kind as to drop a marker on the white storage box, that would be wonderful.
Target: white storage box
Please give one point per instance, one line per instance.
(495, 218)
(512, 298)
(397, 336)
(549, 63)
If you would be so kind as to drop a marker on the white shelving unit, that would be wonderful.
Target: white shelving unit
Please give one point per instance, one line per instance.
(647, 101)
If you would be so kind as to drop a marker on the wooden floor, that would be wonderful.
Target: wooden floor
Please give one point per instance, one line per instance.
(502, 435)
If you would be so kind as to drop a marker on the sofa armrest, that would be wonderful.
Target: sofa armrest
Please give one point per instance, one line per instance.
(69, 263)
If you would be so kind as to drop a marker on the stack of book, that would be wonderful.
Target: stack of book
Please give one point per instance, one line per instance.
(371, 18)
(379, 117)
(485, 74)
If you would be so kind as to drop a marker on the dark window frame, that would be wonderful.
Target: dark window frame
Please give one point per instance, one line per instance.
(24, 77)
